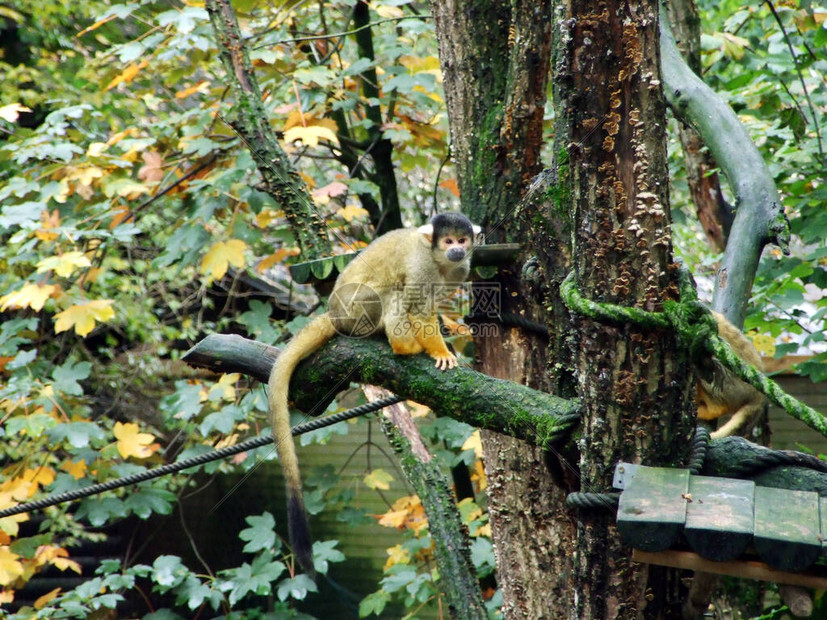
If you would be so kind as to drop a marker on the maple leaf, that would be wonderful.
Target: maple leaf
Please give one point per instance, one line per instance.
(220, 256)
(474, 442)
(451, 185)
(276, 257)
(57, 557)
(351, 212)
(47, 598)
(132, 442)
(378, 479)
(12, 111)
(65, 264)
(10, 566)
(30, 296)
(75, 469)
(310, 135)
(40, 477)
(83, 317)
(152, 170)
(397, 555)
(128, 74)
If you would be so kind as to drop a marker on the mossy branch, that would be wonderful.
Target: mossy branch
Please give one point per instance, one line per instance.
(281, 181)
(760, 216)
(461, 393)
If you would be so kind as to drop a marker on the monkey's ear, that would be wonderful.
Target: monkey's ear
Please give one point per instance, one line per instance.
(427, 231)
(479, 236)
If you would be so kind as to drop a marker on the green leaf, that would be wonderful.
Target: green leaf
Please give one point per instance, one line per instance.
(78, 434)
(296, 588)
(324, 552)
(67, 376)
(261, 534)
(374, 603)
(101, 510)
(148, 500)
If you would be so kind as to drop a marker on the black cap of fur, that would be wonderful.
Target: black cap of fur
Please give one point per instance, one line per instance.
(450, 222)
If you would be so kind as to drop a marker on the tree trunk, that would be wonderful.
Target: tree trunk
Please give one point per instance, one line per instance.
(636, 390)
(495, 62)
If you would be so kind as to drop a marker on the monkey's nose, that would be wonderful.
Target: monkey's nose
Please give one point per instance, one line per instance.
(455, 254)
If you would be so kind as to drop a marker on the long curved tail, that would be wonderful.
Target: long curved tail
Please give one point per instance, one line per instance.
(312, 337)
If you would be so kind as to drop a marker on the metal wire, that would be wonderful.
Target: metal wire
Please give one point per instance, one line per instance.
(201, 459)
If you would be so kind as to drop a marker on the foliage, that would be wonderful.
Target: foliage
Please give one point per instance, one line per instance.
(132, 217)
(229, 589)
(781, 97)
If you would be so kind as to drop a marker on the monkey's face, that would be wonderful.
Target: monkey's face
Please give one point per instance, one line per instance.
(454, 245)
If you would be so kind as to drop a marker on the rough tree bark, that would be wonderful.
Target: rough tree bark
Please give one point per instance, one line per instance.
(634, 382)
(495, 62)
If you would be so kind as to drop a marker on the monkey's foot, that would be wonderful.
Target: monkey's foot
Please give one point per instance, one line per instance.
(446, 361)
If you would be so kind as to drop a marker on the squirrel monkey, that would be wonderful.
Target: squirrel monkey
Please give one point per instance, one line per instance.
(719, 392)
(394, 285)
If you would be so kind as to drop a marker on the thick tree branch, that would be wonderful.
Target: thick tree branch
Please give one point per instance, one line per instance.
(463, 394)
(282, 182)
(760, 216)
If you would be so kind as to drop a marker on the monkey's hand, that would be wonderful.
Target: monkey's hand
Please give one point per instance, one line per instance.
(445, 361)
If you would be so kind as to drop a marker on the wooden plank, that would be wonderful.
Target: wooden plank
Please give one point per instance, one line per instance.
(747, 570)
(787, 528)
(719, 517)
(652, 509)
(823, 505)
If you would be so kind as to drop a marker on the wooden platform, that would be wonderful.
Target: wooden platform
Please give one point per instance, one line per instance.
(720, 520)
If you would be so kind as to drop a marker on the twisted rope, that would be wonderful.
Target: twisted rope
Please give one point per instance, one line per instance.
(201, 459)
(697, 330)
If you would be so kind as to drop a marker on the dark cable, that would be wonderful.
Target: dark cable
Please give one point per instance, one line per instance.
(201, 459)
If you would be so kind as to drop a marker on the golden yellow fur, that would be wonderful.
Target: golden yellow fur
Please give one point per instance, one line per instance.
(719, 392)
(394, 285)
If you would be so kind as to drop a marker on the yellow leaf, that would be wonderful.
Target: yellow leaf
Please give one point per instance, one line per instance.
(378, 479)
(221, 255)
(388, 11)
(75, 469)
(12, 111)
(84, 316)
(64, 264)
(764, 344)
(132, 442)
(397, 555)
(96, 149)
(474, 443)
(47, 598)
(6, 596)
(394, 518)
(96, 25)
(278, 256)
(40, 477)
(56, 556)
(224, 387)
(128, 74)
(10, 566)
(478, 476)
(482, 530)
(201, 86)
(310, 135)
(406, 512)
(351, 212)
(266, 216)
(30, 296)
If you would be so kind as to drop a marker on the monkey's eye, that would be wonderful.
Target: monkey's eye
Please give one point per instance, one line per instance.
(462, 240)
(448, 241)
